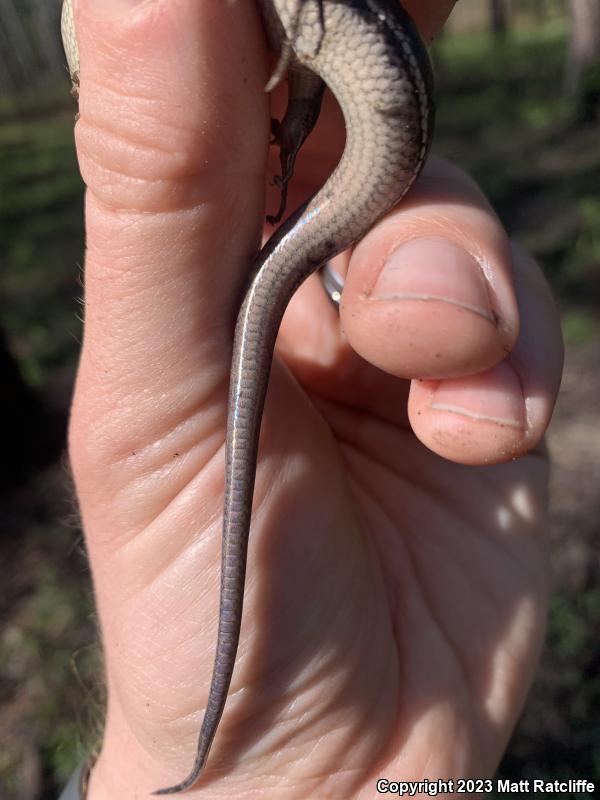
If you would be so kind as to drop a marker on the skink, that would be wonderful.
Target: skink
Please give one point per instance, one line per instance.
(369, 54)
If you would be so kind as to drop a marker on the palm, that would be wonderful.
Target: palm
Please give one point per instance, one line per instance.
(400, 596)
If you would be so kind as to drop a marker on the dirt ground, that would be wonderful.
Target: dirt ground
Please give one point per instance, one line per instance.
(559, 734)
(574, 440)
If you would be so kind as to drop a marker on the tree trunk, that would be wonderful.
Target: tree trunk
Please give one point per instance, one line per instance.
(541, 10)
(584, 41)
(582, 71)
(30, 47)
(499, 18)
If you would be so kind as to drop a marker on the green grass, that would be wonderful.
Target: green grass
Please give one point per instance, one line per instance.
(41, 241)
(578, 326)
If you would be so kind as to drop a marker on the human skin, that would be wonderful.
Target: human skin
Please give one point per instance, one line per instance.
(397, 575)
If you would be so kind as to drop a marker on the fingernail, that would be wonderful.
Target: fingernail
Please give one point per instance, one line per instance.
(492, 396)
(434, 269)
(105, 9)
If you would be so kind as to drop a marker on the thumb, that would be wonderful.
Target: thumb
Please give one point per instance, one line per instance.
(172, 143)
(172, 121)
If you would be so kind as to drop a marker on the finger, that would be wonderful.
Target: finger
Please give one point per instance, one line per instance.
(429, 291)
(487, 418)
(163, 157)
(501, 413)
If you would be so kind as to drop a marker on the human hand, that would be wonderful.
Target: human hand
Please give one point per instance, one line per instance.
(395, 600)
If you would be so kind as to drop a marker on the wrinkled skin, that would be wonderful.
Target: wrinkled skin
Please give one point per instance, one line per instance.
(397, 578)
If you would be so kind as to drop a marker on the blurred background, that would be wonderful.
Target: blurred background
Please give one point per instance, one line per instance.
(519, 107)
